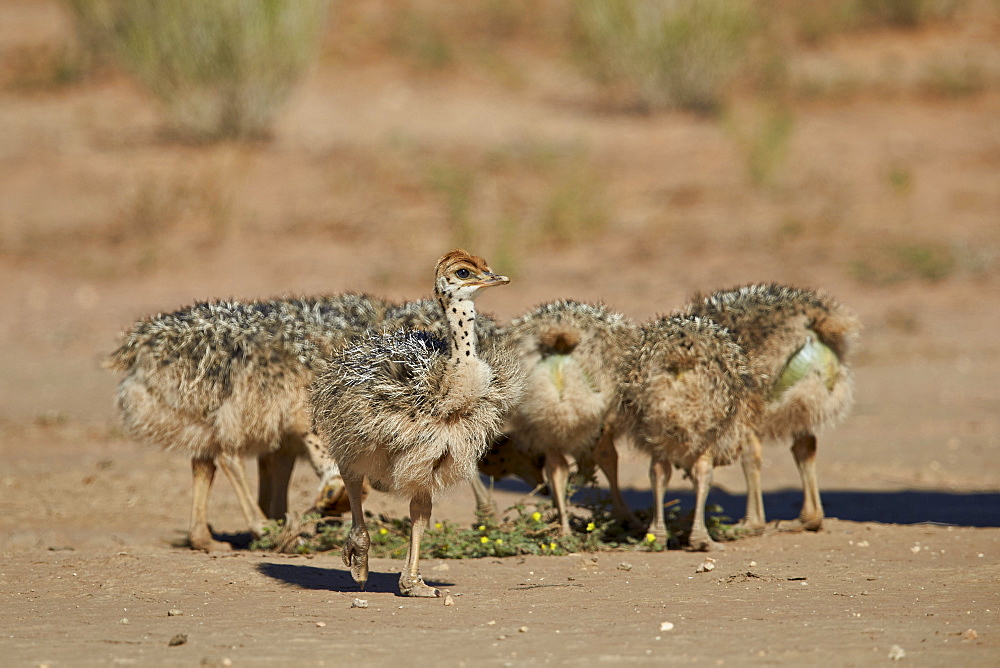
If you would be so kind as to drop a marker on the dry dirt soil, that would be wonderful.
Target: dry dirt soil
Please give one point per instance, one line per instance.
(888, 197)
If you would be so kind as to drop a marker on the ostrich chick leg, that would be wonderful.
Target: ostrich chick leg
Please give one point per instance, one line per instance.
(751, 461)
(355, 550)
(410, 582)
(232, 466)
(274, 472)
(557, 473)
(202, 475)
(701, 474)
(804, 451)
(484, 500)
(606, 457)
(659, 476)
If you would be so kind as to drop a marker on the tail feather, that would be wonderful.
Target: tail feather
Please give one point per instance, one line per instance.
(837, 328)
(558, 340)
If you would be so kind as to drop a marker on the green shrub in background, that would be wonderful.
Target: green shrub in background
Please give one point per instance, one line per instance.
(907, 13)
(93, 22)
(220, 68)
(670, 53)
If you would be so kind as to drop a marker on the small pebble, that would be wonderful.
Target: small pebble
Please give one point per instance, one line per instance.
(523, 629)
(320, 624)
(915, 549)
(752, 564)
(124, 620)
(360, 603)
(706, 566)
(896, 653)
(666, 626)
(624, 566)
(491, 622)
(174, 612)
(970, 635)
(441, 567)
(178, 639)
(448, 600)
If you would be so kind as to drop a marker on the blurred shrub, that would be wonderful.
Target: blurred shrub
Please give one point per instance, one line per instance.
(671, 53)
(221, 68)
(907, 13)
(895, 262)
(763, 136)
(93, 22)
(817, 20)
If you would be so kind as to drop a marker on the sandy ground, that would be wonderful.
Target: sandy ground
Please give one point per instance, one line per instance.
(102, 221)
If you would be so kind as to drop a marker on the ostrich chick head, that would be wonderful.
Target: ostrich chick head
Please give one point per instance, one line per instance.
(461, 275)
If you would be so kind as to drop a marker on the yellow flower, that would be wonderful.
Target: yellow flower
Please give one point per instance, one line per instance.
(437, 525)
(484, 539)
(537, 516)
(552, 546)
(383, 531)
(482, 527)
(590, 526)
(650, 538)
(544, 546)
(499, 541)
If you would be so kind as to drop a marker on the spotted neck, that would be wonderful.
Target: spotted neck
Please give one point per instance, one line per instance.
(460, 314)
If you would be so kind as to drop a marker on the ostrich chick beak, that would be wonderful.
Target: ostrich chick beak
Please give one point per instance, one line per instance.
(491, 279)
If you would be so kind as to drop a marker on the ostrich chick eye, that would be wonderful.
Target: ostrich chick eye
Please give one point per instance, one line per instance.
(463, 273)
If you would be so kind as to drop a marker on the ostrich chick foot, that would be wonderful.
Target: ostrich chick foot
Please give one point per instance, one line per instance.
(415, 587)
(700, 542)
(800, 524)
(750, 527)
(355, 554)
(202, 540)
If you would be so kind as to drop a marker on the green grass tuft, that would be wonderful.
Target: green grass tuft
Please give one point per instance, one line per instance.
(221, 69)
(898, 262)
(522, 529)
(681, 54)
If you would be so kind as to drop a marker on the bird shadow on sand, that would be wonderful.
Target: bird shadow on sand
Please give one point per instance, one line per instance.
(237, 541)
(973, 509)
(334, 579)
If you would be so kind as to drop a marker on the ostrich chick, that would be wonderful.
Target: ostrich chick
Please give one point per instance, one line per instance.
(427, 315)
(571, 354)
(687, 400)
(219, 381)
(413, 413)
(798, 342)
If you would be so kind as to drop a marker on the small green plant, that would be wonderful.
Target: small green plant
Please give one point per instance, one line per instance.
(93, 25)
(456, 185)
(953, 78)
(678, 54)
(815, 21)
(907, 13)
(517, 196)
(897, 262)
(522, 529)
(418, 35)
(39, 67)
(901, 179)
(221, 69)
(575, 206)
(763, 136)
